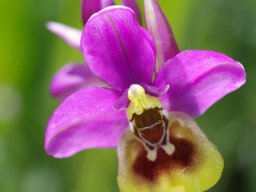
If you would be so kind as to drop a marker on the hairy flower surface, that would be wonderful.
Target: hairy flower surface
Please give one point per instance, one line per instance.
(163, 150)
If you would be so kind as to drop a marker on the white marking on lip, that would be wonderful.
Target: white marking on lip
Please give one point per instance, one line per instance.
(152, 154)
(131, 127)
(168, 148)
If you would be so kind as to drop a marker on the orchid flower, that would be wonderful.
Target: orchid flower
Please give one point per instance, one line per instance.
(73, 76)
(145, 113)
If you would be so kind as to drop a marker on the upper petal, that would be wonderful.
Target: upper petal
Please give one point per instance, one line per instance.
(71, 78)
(89, 7)
(117, 48)
(159, 27)
(70, 35)
(84, 120)
(198, 79)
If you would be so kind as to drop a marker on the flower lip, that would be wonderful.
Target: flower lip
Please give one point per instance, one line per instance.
(181, 159)
(193, 158)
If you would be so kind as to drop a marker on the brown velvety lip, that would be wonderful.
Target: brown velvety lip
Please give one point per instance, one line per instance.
(182, 158)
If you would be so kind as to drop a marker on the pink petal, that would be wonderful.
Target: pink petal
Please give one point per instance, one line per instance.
(71, 78)
(85, 120)
(134, 6)
(159, 27)
(89, 7)
(198, 79)
(117, 48)
(70, 35)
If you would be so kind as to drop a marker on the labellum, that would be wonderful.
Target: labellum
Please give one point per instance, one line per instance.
(164, 151)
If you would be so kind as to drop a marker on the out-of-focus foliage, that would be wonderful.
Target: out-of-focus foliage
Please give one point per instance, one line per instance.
(29, 56)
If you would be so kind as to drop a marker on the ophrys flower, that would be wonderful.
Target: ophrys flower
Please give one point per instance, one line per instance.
(163, 151)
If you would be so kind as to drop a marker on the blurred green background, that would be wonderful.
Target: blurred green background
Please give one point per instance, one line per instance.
(30, 55)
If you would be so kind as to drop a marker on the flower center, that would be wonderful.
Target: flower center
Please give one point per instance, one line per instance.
(148, 121)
